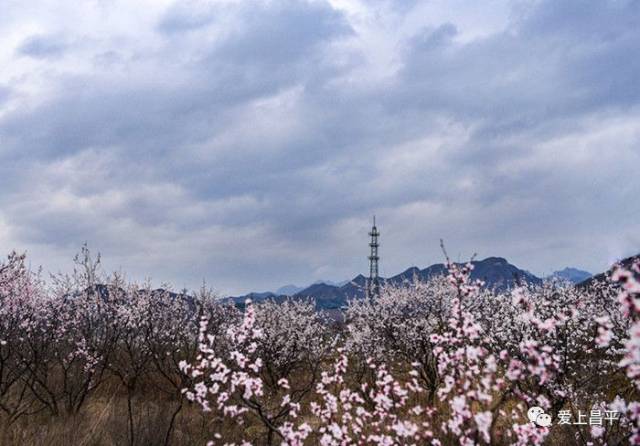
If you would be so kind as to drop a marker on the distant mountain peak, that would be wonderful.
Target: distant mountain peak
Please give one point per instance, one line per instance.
(411, 270)
(571, 270)
(330, 282)
(288, 290)
(570, 274)
(494, 260)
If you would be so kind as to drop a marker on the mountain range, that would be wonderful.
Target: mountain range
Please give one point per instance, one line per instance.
(496, 272)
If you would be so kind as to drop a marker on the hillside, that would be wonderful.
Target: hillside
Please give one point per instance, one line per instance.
(605, 275)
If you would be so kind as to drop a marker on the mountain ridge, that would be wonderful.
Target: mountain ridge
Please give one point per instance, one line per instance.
(496, 272)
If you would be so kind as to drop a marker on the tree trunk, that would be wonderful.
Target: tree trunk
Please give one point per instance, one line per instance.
(167, 437)
(130, 412)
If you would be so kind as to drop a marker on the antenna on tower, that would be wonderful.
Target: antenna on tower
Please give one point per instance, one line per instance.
(373, 284)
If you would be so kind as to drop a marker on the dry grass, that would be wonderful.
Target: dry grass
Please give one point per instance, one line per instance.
(103, 421)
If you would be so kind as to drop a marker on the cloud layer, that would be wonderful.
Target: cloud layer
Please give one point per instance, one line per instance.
(248, 143)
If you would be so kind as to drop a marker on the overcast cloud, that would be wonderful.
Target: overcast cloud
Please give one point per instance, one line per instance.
(248, 143)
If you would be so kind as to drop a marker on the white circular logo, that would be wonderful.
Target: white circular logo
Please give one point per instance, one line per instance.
(536, 415)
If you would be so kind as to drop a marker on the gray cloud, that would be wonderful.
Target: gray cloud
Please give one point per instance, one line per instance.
(43, 46)
(249, 144)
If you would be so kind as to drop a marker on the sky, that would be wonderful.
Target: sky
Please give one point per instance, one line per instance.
(248, 143)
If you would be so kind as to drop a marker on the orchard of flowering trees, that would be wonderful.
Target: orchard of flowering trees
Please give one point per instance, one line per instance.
(94, 359)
